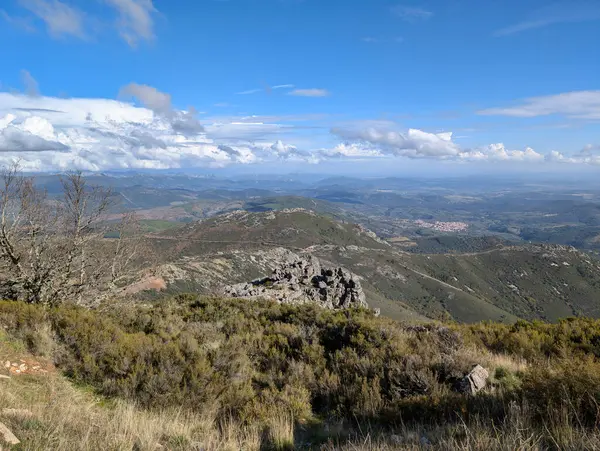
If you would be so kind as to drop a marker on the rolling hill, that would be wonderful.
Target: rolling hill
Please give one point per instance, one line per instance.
(502, 283)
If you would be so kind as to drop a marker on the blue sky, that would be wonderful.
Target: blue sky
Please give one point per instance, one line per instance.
(299, 82)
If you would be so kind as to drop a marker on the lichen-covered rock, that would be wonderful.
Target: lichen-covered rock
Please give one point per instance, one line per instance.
(305, 280)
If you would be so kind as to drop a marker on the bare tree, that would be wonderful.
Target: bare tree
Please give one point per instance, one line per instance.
(53, 249)
(127, 248)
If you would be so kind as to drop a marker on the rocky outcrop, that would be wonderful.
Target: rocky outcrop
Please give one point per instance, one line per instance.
(473, 382)
(305, 280)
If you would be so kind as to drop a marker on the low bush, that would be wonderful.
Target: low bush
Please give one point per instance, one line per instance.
(254, 362)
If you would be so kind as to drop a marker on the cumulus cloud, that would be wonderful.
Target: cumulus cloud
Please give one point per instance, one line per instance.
(149, 96)
(579, 158)
(498, 152)
(48, 133)
(576, 104)
(377, 138)
(31, 135)
(590, 148)
(60, 18)
(183, 122)
(286, 150)
(412, 143)
(135, 20)
(310, 92)
(590, 154)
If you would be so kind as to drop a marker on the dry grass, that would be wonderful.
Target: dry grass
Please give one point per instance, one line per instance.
(515, 434)
(491, 360)
(64, 417)
(511, 363)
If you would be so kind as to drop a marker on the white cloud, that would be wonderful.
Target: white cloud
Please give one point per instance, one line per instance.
(412, 143)
(351, 150)
(310, 92)
(376, 138)
(580, 158)
(31, 135)
(410, 13)
(576, 104)
(135, 20)
(555, 13)
(286, 150)
(266, 89)
(149, 96)
(160, 103)
(588, 149)
(250, 91)
(60, 18)
(498, 152)
(47, 133)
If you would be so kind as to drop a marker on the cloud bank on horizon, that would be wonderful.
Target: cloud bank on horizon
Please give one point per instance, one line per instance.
(54, 134)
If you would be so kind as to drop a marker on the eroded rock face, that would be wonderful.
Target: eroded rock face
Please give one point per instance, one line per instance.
(305, 280)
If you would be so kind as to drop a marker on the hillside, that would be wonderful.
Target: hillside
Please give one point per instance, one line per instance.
(196, 373)
(290, 228)
(501, 283)
(533, 281)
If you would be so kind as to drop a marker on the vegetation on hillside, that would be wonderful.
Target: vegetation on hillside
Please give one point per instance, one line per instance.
(329, 377)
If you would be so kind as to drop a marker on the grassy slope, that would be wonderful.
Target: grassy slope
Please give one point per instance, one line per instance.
(546, 282)
(242, 230)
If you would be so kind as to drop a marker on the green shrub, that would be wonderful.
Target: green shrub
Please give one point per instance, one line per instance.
(565, 393)
(242, 358)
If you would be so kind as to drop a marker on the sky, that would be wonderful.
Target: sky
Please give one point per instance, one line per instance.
(377, 85)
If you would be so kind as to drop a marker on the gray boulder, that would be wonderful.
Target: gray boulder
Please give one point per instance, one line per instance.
(473, 382)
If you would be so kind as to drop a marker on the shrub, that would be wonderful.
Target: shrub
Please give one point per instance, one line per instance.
(240, 359)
